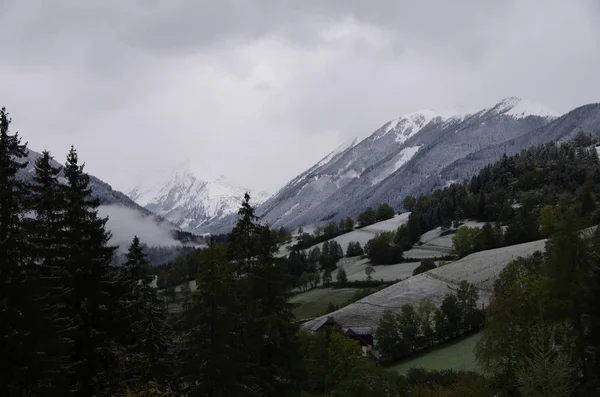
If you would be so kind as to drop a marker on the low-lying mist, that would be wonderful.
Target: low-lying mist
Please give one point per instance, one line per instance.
(124, 223)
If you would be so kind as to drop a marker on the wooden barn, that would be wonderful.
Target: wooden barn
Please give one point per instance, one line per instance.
(364, 335)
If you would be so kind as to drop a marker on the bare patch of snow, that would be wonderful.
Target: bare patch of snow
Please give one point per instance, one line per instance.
(407, 125)
(451, 182)
(520, 108)
(288, 212)
(396, 163)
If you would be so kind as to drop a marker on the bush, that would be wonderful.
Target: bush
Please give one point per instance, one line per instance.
(384, 211)
(402, 238)
(367, 218)
(354, 249)
(426, 264)
(381, 250)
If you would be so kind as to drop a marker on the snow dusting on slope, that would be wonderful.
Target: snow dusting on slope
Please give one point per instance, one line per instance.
(521, 108)
(340, 149)
(413, 123)
(288, 212)
(189, 202)
(407, 125)
(396, 163)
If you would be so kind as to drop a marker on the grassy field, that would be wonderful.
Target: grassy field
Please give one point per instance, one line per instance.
(459, 355)
(314, 302)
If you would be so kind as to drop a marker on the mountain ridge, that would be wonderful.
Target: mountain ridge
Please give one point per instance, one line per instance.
(189, 202)
(417, 146)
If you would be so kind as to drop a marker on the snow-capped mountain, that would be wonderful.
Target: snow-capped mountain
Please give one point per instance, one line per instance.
(408, 155)
(520, 108)
(126, 218)
(191, 203)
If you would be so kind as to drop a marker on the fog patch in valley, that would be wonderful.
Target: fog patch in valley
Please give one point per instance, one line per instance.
(124, 223)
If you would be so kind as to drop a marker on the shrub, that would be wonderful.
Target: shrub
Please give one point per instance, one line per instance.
(426, 264)
(384, 211)
(381, 250)
(354, 249)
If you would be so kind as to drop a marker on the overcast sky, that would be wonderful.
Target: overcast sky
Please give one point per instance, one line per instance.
(259, 90)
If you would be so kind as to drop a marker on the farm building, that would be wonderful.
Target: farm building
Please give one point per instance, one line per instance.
(364, 335)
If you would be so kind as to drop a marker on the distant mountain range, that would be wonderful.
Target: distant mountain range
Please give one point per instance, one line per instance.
(415, 154)
(190, 203)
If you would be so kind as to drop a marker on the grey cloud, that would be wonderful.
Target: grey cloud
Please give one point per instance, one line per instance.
(259, 90)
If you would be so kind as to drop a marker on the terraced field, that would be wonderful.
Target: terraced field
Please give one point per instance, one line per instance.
(355, 270)
(368, 232)
(314, 302)
(481, 269)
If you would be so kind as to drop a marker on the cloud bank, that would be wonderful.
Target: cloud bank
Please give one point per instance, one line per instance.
(125, 223)
(261, 90)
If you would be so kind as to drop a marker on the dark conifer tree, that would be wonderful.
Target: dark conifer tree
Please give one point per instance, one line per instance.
(270, 333)
(213, 361)
(592, 316)
(147, 336)
(481, 206)
(91, 280)
(15, 354)
(325, 258)
(46, 250)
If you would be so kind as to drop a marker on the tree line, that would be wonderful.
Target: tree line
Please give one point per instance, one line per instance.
(333, 229)
(387, 248)
(524, 192)
(70, 323)
(542, 334)
(401, 333)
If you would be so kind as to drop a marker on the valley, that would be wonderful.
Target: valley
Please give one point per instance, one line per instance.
(300, 199)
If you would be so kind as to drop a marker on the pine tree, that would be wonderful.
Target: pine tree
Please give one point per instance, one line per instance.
(15, 354)
(146, 335)
(242, 248)
(47, 269)
(341, 277)
(270, 329)
(91, 280)
(349, 222)
(214, 361)
(325, 257)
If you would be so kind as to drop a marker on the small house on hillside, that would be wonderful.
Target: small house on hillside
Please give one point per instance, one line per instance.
(326, 323)
(364, 335)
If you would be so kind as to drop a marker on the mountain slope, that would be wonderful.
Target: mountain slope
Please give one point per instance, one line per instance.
(189, 202)
(101, 190)
(583, 119)
(363, 162)
(415, 146)
(126, 218)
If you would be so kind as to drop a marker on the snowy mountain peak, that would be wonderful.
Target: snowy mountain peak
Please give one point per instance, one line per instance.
(520, 108)
(190, 202)
(407, 125)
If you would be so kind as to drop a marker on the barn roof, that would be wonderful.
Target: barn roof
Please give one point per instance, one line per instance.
(357, 330)
(323, 321)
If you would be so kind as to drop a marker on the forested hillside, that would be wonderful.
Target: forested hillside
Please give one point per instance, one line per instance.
(524, 192)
